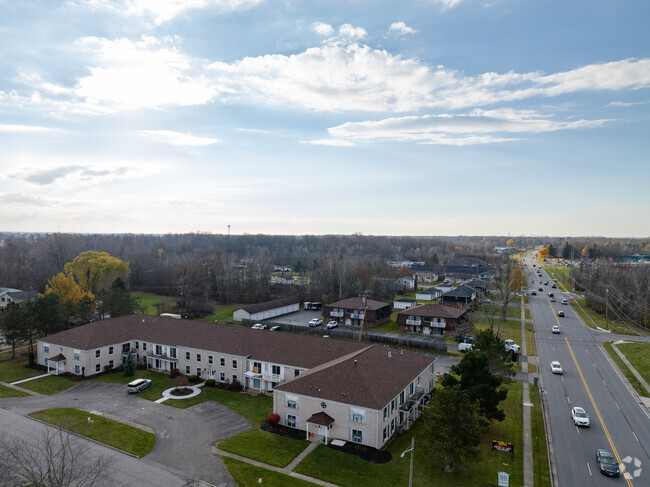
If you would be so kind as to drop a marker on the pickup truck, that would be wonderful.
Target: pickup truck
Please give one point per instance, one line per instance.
(464, 347)
(511, 346)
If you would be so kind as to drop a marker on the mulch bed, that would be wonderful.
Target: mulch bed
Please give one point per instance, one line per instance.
(284, 431)
(181, 391)
(367, 453)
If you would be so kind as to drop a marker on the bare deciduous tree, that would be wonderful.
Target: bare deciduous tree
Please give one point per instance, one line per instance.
(53, 459)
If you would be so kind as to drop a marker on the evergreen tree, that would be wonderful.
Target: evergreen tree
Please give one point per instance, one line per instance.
(129, 365)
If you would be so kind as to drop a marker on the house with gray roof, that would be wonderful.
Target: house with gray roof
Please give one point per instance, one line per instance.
(267, 310)
(11, 295)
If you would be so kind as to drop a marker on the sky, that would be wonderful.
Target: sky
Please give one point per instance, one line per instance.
(422, 117)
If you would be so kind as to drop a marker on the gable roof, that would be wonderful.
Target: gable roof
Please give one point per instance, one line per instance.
(462, 291)
(357, 303)
(434, 311)
(18, 295)
(370, 377)
(430, 290)
(297, 350)
(276, 303)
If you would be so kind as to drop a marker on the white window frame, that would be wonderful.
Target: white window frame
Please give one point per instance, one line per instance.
(222, 361)
(187, 369)
(234, 363)
(98, 367)
(291, 401)
(110, 350)
(187, 356)
(291, 418)
(77, 369)
(98, 353)
(222, 377)
(76, 354)
(46, 347)
(198, 357)
(352, 435)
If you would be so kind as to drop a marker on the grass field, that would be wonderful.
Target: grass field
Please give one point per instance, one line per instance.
(634, 360)
(591, 317)
(12, 370)
(9, 392)
(222, 313)
(540, 452)
(348, 470)
(639, 356)
(159, 382)
(154, 304)
(106, 431)
(49, 385)
(247, 475)
(253, 408)
(265, 447)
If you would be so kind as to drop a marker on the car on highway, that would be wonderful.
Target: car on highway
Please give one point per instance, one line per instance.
(541, 289)
(556, 367)
(564, 301)
(607, 463)
(545, 283)
(552, 299)
(533, 293)
(553, 286)
(560, 314)
(551, 295)
(315, 322)
(579, 417)
(555, 329)
(332, 324)
(259, 326)
(138, 385)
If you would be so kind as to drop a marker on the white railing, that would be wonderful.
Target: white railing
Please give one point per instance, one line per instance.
(336, 314)
(413, 321)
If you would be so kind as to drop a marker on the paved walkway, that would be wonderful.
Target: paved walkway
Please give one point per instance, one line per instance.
(529, 478)
(22, 389)
(288, 470)
(30, 378)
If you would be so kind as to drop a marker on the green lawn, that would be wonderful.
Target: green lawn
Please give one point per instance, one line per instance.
(639, 356)
(625, 369)
(159, 382)
(49, 385)
(589, 316)
(222, 313)
(12, 370)
(253, 408)
(9, 392)
(106, 431)
(154, 304)
(495, 310)
(540, 451)
(247, 475)
(264, 447)
(348, 470)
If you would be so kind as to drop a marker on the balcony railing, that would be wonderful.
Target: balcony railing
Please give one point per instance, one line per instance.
(356, 316)
(413, 321)
(163, 356)
(336, 314)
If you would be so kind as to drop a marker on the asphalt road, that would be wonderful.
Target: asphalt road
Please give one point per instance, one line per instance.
(618, 422)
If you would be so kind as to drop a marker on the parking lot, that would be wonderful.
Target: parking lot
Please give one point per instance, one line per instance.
(299, 318)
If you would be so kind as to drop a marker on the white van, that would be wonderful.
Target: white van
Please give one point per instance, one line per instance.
(138, 385)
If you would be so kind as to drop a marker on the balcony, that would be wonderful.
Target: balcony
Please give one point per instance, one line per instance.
(163, 356)
(413, 321)
(356, 316)
(336, 314)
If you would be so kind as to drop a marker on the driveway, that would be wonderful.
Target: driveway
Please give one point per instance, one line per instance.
(183, 436)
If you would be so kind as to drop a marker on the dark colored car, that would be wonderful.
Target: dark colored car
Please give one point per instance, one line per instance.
(607, 463)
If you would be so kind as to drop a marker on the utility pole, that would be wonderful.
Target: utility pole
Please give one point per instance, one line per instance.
(229, 230)
(363, 321)
(607, 308)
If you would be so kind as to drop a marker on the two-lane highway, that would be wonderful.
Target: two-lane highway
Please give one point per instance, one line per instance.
(618, 422)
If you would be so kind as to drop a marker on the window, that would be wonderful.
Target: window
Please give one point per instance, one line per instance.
(77, 369)
(385, 413)
(401, 398)
(198, 371)
(209, 359)
(257, 384)
(356, 436)
(411, 388)
(357, 415)
(137, 345)
(292, 405)
(46, 348)
(385, 434)
(172, 352)
(110, 350)
(187, 369)
(292, 421)
(198, 357)
(222, 362)
(98, 367)
(275, 370)
(144, 345)
(296, 373)
(187, 355)
(392, 406)
(98, 353)
(292, 401)
(158, 349)
(431, 368)
(257, 367)
(234, 364)
(47, 361)
(222, 376)
(126, 347)
(234, 377)
(110, 362)
(77, 355)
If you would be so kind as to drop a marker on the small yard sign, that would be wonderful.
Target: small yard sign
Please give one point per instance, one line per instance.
(504, 479)
(503, 446)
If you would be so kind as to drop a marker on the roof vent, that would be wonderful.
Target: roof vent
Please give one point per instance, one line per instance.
(390, 354)
(355, 362)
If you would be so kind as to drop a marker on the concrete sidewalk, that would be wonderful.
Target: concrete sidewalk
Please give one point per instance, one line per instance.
(21, 389)
(529, 477)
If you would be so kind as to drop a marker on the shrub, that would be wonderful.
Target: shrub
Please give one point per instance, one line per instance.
(235, 386)
(31, 358)
(181, 380)
(108, 368)
(174, 373)
(194, 379)
(273, 419)
(209, 383)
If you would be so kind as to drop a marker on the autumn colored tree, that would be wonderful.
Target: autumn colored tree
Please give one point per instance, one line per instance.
(68, 290)
(96, 270)
(544, 253)
(510, 243)
(516, 281)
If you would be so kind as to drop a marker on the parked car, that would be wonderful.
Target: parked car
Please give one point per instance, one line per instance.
(463, 338)
(607, 463)
(556, 367)
(315, 322)
(259, 326)
(560, 314)
(332, 324)
(275, 328)
(555, 329)
(579, 417)
(138, 385)
(464, 347)
(564, 301)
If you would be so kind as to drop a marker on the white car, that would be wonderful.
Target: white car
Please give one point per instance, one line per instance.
(579, 417)
(259, 326)
(464, 347)
(564, 301)
(138, 385)
(332, 324)
(315, 322)
(555, 329)
(556, 367)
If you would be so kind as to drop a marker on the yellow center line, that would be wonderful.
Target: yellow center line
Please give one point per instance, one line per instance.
(554, 313)
(593, 403)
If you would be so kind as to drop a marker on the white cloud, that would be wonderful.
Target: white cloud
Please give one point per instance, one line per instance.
(401, 28)
(626, 104)
(25, 129)
(476, 127)
(330, 142)
(164, 10)
(178, 138)
(448, 3)
(351, 33)
(323, 29)
(69, 173)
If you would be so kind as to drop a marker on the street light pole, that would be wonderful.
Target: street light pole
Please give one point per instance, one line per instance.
(412, 449)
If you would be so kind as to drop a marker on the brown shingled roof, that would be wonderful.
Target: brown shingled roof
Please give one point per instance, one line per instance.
(435, 311)
(357, 303)
(370, 377)
(302, 351)
(321, 418)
